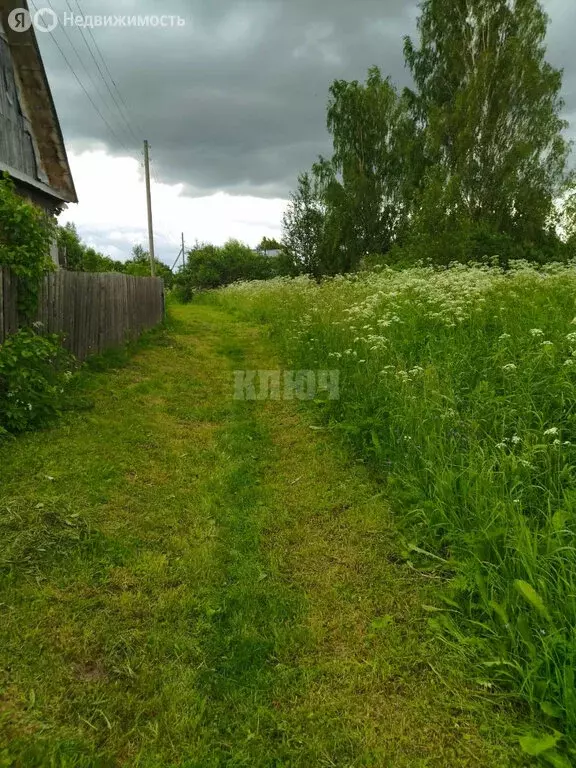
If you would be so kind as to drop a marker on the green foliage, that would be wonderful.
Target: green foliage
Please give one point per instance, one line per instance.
(139, 266)
(26, 234)
(34, 373)
(488, 107)
(458, 388)
(366, 183)
(358, 201)
(210, 266)
(304, 227)
(71, 246)
(469, 164)
(93, 261)
(269, 244)
(34, 369)
(82, 258)
(443, 238)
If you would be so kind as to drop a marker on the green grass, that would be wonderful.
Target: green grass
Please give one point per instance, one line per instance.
(458, 391)
(191, 581)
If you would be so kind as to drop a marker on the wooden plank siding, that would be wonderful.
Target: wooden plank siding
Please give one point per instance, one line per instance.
(93, 311)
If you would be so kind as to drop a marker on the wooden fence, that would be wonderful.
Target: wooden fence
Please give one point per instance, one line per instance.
(92, 311)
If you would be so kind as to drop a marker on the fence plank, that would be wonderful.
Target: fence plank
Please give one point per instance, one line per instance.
(92, 311)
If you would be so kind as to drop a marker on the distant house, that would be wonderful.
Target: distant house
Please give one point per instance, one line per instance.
(32, 149)
(269, 253)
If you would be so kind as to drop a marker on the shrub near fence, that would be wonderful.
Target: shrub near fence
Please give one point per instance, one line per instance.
(93, 311)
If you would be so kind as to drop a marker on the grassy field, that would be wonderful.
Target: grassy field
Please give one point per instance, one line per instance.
(189, 580)
(458, 390)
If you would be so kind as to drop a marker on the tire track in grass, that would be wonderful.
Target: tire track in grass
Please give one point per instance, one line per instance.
(232, 598)
(318, 649)
(255, 613)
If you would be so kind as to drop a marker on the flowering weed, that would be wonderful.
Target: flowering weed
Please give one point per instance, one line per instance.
(465, 406)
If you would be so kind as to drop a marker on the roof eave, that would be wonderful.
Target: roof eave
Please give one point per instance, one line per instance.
(45, 123)
(38, 185)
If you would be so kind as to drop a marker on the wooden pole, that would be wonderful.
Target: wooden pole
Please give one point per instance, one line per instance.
(149, 206)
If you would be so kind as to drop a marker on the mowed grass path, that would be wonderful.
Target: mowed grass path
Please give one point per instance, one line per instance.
(188, 580)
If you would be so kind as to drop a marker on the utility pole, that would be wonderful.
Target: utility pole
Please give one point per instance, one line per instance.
(180, 253)
(149, 204)
(183, 252)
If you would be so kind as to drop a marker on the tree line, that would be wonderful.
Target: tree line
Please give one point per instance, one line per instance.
(206, 265)
(470, 162)
(79, 257)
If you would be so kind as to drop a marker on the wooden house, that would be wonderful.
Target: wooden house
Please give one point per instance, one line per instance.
(32, 149)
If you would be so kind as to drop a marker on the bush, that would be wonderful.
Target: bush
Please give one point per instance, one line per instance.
(34, 372)
(458, 239)
(211, 266)
(139, 266)
(183, 290)
(82, 258)
(25, 238)
(33, 369)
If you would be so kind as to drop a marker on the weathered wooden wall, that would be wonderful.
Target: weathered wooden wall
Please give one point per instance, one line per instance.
(92, 311)
(16, 145)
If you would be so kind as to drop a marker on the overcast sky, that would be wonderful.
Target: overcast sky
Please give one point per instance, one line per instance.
(233, 104)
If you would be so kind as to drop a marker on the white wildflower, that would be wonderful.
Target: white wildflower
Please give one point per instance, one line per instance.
(551, 431)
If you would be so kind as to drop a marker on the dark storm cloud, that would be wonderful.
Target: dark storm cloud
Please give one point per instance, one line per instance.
(235, 100)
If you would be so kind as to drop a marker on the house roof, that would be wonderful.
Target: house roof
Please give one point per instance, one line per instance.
(53, 175)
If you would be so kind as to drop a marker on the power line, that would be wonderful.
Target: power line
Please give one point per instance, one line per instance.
(85, 41)
(81, 84)
(97, 47)
(85, 68)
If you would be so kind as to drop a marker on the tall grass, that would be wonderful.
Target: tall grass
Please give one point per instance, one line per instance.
(458, 385)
